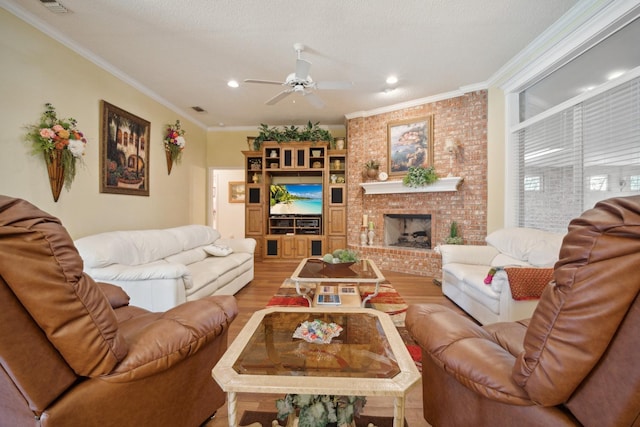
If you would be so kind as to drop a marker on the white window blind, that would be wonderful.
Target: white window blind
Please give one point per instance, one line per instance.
(587, 152)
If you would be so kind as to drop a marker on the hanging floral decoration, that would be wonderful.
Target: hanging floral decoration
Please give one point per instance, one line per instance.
(174, 141)
(61, 143)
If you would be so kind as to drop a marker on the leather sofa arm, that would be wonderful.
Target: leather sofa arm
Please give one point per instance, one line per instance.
(465, 351)
(467, 254)
(115, 294)
(158, 341)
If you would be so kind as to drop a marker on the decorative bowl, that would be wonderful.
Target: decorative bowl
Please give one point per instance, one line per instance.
(337, 265)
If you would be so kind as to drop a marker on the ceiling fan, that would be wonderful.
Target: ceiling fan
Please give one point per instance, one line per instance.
(300, 82)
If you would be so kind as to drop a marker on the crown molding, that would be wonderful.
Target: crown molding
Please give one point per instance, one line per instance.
(418, 102)
(98, 61)
(568, 37)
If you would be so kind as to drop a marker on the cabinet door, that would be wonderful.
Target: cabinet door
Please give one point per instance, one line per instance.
(272, 247)
(254, 220)
(288, 247)
(316, 247)
(337, 221)
(288, 157)
(294, 247)
(336, 242)
(301, 244)
(337, 195)
(302, 158)
(254, 194)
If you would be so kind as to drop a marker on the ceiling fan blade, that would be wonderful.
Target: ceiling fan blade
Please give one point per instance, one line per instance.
(279, 97)
(302, 69)
(333, 85)
(269, 82)
(313, 99)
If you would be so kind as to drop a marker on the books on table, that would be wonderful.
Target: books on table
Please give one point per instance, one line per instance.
(331, 299)
(341, 294)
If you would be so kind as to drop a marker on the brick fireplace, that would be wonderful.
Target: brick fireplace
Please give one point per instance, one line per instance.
(407, 231)
(462, 119)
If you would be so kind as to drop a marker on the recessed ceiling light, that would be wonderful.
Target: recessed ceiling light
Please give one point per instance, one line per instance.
(232, 83)
(391, 80)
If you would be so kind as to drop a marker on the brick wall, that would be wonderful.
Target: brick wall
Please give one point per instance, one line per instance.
(463, 119)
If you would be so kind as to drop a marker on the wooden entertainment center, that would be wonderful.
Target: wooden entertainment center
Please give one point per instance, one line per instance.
(298, 235)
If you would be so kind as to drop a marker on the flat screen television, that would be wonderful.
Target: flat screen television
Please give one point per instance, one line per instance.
(295, 199)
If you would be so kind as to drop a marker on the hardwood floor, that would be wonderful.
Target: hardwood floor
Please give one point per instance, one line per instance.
(268, 278)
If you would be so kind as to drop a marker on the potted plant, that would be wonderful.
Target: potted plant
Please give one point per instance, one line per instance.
(372, 167)
(313, 410)
(454, 238)
(419, 176)
(311, 132)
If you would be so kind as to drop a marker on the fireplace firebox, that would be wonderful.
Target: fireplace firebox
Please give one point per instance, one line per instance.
(408, 230)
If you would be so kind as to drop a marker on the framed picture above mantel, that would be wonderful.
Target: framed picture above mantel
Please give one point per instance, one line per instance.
(124, 152)
(410, 144)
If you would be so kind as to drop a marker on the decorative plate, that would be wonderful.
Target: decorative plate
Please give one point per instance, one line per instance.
(318, 332)
(382, 176)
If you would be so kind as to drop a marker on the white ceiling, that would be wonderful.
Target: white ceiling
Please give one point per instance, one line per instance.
(184, 52)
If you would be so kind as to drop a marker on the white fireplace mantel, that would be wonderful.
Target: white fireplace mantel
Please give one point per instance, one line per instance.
(392, 187)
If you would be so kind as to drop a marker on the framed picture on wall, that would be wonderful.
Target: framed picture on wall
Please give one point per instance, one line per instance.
(124, 152)
(236, 192)
(410, 144)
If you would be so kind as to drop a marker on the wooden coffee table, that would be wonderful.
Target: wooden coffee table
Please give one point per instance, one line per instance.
(368, 358)
(313, 270)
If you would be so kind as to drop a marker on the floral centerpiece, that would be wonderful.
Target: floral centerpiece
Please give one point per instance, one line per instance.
(313, 410)
(174, 143)
(61, 143)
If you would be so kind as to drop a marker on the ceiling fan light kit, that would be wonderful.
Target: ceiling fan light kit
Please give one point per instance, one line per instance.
(301, 82)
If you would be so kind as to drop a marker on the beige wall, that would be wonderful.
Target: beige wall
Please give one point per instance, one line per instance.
(496, 140)
(35, 70)
(224, 147)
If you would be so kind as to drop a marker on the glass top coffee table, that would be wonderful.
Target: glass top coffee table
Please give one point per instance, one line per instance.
(314, 270)
(367, 358)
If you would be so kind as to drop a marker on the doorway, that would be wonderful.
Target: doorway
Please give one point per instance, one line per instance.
(227, 211)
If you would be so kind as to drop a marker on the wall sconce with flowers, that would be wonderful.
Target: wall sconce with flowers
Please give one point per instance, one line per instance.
(61, 144)
(174, 143)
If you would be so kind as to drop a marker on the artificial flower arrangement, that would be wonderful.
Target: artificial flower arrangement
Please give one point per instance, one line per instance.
(55, 137)
(174, 141)
(315, 410)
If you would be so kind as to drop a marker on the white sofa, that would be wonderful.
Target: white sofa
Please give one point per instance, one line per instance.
(160, 269)
(465, 267)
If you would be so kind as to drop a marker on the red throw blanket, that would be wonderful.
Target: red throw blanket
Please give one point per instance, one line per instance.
(528, 283)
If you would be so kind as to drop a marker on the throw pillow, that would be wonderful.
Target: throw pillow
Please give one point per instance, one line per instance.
(218, 250)
(516, 242)
(528, 283)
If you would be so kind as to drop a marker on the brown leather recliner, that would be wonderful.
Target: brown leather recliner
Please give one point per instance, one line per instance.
(575, 362)
(74, 353)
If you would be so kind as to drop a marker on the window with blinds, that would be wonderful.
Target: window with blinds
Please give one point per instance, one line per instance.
(569, 160)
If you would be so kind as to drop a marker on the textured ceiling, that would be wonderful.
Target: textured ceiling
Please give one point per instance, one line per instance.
(184, 52)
